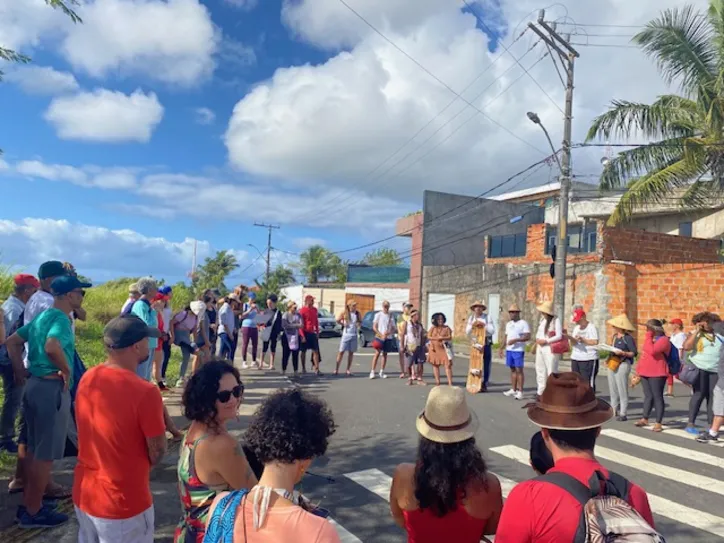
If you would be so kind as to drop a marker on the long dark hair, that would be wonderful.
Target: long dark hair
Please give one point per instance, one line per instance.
(549, 320)
(444, 472)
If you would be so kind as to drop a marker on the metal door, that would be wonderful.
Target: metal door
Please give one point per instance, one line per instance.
(494, 313)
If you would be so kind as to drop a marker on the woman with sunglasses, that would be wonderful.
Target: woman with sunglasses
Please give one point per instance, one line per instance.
(211, 460)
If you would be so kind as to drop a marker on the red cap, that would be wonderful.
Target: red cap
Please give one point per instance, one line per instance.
(578, 314)
(308, 297)
(26, 280)
(677, 321)
(160, 297)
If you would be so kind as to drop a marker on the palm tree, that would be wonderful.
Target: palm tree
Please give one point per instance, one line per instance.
(685, 159)
(314, 263)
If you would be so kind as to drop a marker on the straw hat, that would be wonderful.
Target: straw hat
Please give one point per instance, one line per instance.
(446, 418)
(478, 303)
(546, 307)
(621, 321)
(514, 309)
(569, 403)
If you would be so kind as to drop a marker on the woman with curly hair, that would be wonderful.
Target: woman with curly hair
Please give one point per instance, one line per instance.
(440, 350)
(211, 460)
(448, 494)
(288, 431)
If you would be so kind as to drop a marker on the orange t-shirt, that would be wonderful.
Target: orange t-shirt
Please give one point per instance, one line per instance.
(285, 524)
(115, 411)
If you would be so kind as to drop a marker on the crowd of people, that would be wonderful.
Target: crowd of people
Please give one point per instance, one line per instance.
(112, 416)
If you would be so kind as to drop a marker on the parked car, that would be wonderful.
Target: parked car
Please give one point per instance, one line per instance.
(368, 334)
(328, 325)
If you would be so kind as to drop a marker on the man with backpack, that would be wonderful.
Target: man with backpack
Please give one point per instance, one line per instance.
(13, 310)
(574, 500)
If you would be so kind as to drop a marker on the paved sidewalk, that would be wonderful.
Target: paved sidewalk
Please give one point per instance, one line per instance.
(163, 477)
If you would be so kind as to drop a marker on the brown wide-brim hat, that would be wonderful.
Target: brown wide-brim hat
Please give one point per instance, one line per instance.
(622, 322)
(478, 303)
(569, 403)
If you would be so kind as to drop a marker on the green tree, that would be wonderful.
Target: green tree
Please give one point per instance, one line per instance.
(62, 5)
(686, 156)
(279, 278)
(382, 257)
(213, 272)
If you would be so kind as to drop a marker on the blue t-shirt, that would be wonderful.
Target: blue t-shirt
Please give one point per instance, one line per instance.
(250, 320)
(148, 315)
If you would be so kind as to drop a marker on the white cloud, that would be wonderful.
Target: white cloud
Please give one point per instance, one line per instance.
(245, 5)
(42, 80)
(303, 243)
(336, 122)
(51, 172)
(98, 252)
(204, 115)
(87, 176)
(105, 116)
(235, 55)
(173, 41)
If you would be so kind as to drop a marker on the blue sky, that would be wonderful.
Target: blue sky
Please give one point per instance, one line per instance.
(157, 122)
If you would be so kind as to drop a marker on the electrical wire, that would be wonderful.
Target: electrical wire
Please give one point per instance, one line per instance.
(615, 46)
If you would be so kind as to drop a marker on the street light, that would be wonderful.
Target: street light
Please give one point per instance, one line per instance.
(536, 120)
(257, 249)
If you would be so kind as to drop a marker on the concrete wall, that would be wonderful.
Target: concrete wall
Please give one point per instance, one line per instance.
(328, 298)
(457, 227)
(396, 295)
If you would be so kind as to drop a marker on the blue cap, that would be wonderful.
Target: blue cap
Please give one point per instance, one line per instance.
(252, 295)
(67, 283)
(165, 290)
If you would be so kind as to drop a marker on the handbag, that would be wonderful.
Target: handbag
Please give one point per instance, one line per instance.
(613, 362)
(689, 374)
(561, 346)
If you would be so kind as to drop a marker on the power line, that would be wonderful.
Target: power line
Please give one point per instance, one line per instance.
(600, 25)
(615, 46)
(436, 78)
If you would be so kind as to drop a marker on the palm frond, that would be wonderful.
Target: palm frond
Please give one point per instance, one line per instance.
(64, 6)
(669, 116)
(656, 187)
(12, 56)
(639, 161)
(715, 15)
(704, 193)
(680, 41)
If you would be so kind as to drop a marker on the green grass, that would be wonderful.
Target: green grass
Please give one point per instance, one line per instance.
(101, 303)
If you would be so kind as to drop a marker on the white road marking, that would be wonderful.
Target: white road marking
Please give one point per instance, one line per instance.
(678, 432)
(344, 535)
(661, 506)
(681, 452)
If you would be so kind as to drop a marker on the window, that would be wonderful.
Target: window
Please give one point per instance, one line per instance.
(507, 246)
(686, 229)
(581, 238)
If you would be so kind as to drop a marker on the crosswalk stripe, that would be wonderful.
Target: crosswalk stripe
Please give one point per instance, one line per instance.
(678, 432)
(344, 535)
(654, 445)
(661, 506)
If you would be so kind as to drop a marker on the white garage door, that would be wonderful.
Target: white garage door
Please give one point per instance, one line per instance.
(442, 303)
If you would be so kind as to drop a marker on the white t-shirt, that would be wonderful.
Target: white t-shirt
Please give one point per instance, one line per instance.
(384, 323)
(678, 339)
(516, 330)
(581, 351)
(350, 327)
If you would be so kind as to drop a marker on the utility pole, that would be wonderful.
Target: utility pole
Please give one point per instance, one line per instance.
(269, 227)
(568, 55)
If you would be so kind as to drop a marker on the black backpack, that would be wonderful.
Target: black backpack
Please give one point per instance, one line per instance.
(4, 357)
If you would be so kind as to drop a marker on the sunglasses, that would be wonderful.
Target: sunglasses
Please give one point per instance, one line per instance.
(81, 292)
(225, 395)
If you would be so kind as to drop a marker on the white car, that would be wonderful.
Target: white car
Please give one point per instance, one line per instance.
(328, 324)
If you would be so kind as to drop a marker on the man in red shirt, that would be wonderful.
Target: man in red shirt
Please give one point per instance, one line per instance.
(121, 434)
(310, 330)
(539, 510)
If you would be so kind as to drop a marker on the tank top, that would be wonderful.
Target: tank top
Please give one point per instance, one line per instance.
(350, 328)
(423, 526)
(196, 496)
(413, 336)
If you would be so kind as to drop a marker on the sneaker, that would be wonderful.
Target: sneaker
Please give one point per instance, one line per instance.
(162, 386)
(180, 383)
(706, 437)
(383, 375)
(372, 375)
(509, 393)
(45, 518)
(519, 395)
(244, 366)
(692, 430)
(622, 418)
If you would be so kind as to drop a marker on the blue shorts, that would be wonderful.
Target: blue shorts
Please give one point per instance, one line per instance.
(514, 359)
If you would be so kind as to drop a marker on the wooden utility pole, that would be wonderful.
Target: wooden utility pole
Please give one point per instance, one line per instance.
(269, 227)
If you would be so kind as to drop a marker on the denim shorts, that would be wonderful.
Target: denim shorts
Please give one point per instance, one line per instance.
(348, 344)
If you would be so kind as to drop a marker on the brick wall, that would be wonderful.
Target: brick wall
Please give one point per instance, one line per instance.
(644, 247)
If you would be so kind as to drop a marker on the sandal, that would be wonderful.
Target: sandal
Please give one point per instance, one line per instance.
(658, 427)
(641, 423)
(402, 376)
(349, 373)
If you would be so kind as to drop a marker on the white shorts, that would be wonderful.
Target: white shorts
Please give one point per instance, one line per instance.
(138, 529)
(718, 400)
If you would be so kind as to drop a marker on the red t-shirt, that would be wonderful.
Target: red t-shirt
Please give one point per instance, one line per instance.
(544, 513)
(310, 320)
(115, 411)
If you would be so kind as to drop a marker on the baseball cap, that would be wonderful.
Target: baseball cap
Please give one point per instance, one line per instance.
(308, 297)
(52, 268)
(677, 321)
(26, 280)
(272, 298)
(127, 330)
(160, 297)
(166, 290)
(578, 314)
(67, 283)
(252, 295)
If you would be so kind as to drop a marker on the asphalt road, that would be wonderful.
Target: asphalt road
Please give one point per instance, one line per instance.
(377, 431)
